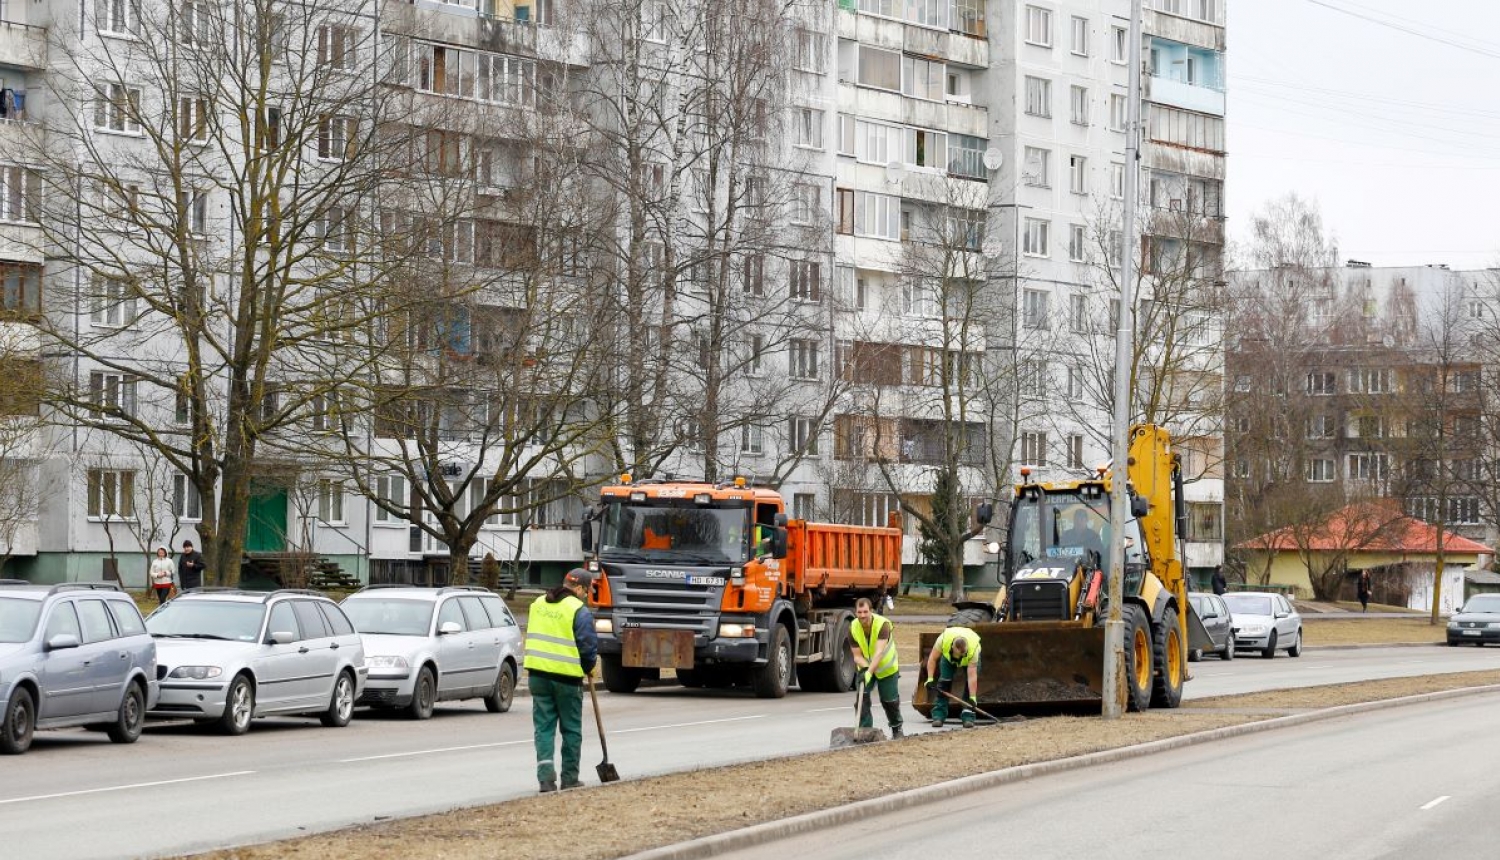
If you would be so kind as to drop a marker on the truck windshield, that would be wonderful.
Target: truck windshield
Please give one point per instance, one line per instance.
(1063, 524)
(664, 531)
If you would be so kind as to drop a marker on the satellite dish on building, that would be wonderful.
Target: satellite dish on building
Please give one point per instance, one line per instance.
(895, 171)
(993, 158)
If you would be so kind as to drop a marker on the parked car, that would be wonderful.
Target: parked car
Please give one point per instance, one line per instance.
(1214, 613)
(75, 654)
(1478, 622)
(1265, 621)
(430, 645)
(226, 656)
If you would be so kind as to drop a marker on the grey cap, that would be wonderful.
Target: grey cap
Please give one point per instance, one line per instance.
(579, 576)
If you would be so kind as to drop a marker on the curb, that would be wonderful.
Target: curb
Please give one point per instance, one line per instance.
(771, 831)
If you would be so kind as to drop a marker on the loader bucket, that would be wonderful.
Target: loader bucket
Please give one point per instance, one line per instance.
(1031, 668)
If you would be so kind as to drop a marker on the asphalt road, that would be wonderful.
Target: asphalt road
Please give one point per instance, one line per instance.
(1400, 783)
(182, 788)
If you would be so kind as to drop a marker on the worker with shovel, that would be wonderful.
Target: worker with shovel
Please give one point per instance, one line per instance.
(873, 643)
(956, 648)
(561, 650)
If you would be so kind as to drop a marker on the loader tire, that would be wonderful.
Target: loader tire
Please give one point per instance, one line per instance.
(970, 617)
(1166, 690)
(1139, 658)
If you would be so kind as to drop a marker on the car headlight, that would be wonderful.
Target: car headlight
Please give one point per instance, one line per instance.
(196, 673)
(386, 661)
(736, 631)
(1454, 625)
(1253, 629)
(604, 625)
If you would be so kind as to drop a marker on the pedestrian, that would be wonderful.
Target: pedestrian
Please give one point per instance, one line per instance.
(1220, 584)
(872, 641)
(1364, 590)
(561, 650)
(162, 568)
(956, 648)
(189, 567)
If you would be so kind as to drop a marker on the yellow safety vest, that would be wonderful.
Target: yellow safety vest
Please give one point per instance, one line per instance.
(945, 643)
(888, 664)
(550, 646)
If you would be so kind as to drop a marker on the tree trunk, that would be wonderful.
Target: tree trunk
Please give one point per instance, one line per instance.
(224, 549)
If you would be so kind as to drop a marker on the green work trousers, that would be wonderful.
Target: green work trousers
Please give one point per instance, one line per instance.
(947, 671)
(556, 704)
(890, 699)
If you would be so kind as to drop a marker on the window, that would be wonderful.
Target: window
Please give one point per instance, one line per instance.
(390, 489)
(752, 439)
(118, 16)
(20, 193)
(803, 506)
(853, 288)
(1320, 427)
(20, 289)
(1075, 380)
(112, 393)
(810, 54)
(186, 504)
(1038, 170)
(879, 69)
(111, 493)
(1034, 378)
(94, 621)
(1078, 174)
(966, 156)
(1078, 313)
(1186, 128)
(1039, 26)
(1368, 467)
(1038, 97)
(805, 282)
(1117, 112)
(330, 501)
(930, 13)
(270, 128)
(966, 229)
(332, 228)
(878, 144)
(807, 203)
(506, 80)
(924, 148)
(1080, 44)
(1205, 521)
(1074, 442)
(1321, 382)
(118, 108)
(922, 79)
(1119, 45)
(807, 127)
(1079, 96)
(1117, 180)
(803, 435)
(192, 118)
(1077, 243)
(757, 355)
(1319, 470)
(1034, 241)
(336, 138)
(877, 215)
(1370, 381)
(847, 126)
(193, 206)
(968, 17)
(1034, 308)
(336, 47)
(753, 274)
(802, 359)
(1034, 448)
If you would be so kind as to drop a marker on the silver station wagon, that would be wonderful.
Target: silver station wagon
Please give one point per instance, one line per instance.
(226, 656)
(75, 654)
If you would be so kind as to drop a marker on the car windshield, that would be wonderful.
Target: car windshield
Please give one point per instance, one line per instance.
(1248, 604)
(18, 618)
(1483, 603)
(207, 619)
(390, 616)
(675, 532)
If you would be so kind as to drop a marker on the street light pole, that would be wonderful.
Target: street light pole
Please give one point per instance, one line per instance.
(1119, 509)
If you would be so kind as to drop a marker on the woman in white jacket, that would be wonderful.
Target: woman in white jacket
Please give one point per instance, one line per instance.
(162, 568)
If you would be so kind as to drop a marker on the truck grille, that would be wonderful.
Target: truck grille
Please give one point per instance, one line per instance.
(1040, 600)
(664, 604)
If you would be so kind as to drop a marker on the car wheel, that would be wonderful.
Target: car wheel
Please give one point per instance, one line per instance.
(1452, 643)
(1296, 649)
(1195, 655)
(20, 723)
(1228, 652)
(341, 704)
(423, 695)
(239, 707)
(1270, 650)
(126, 729)
(499, 701)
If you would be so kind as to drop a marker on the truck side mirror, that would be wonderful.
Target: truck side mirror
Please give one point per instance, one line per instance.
(586, 530)
(777, 541)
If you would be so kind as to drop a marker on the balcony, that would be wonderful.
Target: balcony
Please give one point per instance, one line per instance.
(1187, 96)
(22, 45)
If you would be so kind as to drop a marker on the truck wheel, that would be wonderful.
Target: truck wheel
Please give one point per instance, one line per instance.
(772, 680)
(617, 678)
(970, 617)
(1138, 659)
(1166, 690)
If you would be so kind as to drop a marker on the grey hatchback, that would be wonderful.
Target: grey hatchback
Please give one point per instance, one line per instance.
(75, 654)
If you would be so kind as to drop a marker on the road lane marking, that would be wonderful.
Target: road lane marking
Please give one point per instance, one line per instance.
(1431, 803)
(825, 710)
(126, 787)
(432, 751)
(685, 725)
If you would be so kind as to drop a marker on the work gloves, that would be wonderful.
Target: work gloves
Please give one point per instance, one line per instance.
(867, 678)
(932, 687)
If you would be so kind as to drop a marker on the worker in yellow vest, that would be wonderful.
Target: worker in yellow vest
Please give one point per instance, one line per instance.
(872, 641)
(956, 648)
(561, 650)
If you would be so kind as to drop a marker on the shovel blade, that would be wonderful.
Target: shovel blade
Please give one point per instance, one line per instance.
(607, 772)
(853, 737)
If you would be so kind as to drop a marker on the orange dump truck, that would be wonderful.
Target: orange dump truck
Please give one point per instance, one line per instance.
(714, 582)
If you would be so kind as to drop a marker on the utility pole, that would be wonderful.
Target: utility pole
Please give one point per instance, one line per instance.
(1119, 509)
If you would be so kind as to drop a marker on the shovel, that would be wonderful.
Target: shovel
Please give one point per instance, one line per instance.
(968, 706)
(606, 771)
(848, 737)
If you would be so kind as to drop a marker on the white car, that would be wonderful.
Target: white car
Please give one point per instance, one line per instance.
(1266, 622)
(430, 645)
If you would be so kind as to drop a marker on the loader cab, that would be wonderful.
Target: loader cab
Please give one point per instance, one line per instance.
(1069, 524)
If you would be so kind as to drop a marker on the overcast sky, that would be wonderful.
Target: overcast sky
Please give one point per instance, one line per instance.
(1395, 133)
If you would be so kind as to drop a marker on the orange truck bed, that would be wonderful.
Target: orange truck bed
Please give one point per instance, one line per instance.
(822, 557)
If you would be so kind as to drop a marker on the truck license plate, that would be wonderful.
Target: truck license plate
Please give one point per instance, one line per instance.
(657, 649)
